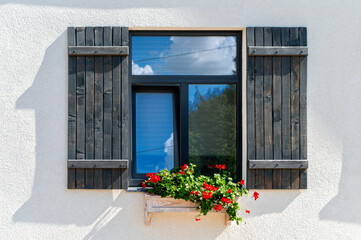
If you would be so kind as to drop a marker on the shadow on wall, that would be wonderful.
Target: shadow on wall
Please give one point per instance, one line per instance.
(345, 206)
(105, 4)
(107, 213)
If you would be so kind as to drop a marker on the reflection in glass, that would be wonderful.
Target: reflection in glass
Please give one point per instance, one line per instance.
(184, 55)
(212, 127)
(154, 132)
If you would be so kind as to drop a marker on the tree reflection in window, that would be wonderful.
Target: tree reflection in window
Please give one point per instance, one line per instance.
(212, 127)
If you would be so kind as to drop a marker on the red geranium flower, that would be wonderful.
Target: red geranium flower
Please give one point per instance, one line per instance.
(182, 173)
(143, 185)
(226, 200)
(247, 211)
(229, 190)
(255, 195)
(198, 219)
(197, 193)
(206, 195)
(185, 166)
(192, 192)
(209, 187)
(241, 182)
(154, 177)
(217, 207)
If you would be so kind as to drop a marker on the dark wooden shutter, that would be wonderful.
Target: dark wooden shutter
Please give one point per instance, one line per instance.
(98, 111)
(276, 108)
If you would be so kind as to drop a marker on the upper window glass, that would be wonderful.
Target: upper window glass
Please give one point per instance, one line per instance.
(184, 55)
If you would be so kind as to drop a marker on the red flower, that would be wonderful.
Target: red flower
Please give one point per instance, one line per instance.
(247, 211)
(198, 219)
(241, 182)
(185, 166)
(143, 185)
(192, 192)
(182, 173)
(255, 195)
(220, 166)
(154, 177)
(226, 200)
(197, 193)
(209, 187)
(217, 207)
(206, 195)
(229, 190)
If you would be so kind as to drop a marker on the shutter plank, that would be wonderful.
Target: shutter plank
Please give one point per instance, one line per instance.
(89, 108)
(277, 108)
(98, 108)
(125, 101)
(116, 177)
(71, 107)
(268, 98)
(251, 137)
(259, 109)
(295, 103)
(303, 108)
(286, 125)
(108, 98)
(80, 102)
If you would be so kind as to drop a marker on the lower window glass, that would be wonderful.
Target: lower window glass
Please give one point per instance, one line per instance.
(154, 131)
(212, 127)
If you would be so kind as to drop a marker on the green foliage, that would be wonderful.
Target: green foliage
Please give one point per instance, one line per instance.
(180, 183)
(212, 132)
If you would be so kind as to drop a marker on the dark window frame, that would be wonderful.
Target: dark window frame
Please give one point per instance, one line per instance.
(181, 82)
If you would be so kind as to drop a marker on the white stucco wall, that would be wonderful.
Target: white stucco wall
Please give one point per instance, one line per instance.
(35, 203)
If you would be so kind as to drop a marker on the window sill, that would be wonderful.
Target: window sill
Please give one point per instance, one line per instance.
(157, 204)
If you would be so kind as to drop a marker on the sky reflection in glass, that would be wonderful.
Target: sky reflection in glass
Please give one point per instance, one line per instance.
(154, 132)
(183, 55)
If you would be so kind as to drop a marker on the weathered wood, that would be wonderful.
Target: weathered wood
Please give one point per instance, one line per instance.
(303, 107)
(259, 109)
(98, 108)
(286, 107)
(278, 164)
(71, 107)
(157, 204)
(268, 116)
(125, 108)
(254, 51)
(80, 102)
(108, 98)
(89, 108)
(295, 111)
(98, 51)
(117, 110)
(277, 108)
(98, 163)
(251, 135)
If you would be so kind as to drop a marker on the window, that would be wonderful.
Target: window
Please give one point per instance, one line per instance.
(186, 103)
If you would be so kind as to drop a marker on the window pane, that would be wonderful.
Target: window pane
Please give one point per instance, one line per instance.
(154, 132)
(184, 55)
(212, 127)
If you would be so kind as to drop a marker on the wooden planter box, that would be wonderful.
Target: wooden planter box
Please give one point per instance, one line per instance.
(157, 204)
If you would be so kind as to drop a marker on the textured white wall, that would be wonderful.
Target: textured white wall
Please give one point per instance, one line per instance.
(35, 203)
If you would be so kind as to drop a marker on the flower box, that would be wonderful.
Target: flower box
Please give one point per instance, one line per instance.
(157, 204)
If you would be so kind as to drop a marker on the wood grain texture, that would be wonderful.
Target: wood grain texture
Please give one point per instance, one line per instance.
(277, 50)
(98, 51)
(98, 107)
(280, 118)
(96, 115)
(116, 108)
(71, 107)
(251, 134)
(267, 103)
(277, 108)
(80, 105)
(278, 164)
(98, 163)
(126, 113)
